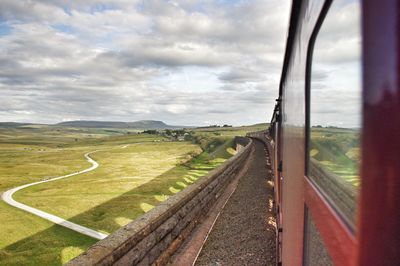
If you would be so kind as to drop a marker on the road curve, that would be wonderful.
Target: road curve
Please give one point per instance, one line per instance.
(7, 197)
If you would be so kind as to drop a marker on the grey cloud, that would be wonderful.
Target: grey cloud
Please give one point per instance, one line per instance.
(318, 74)
(169, 57)
(241, 75)
(336, 77)
(339, 40)
(106, 66)
(30, 11)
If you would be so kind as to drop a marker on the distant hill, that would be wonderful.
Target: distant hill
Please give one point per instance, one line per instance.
(12, 124)
(143, 124)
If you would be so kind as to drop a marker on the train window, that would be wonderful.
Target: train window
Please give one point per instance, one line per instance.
(335, 107)
(315, 253)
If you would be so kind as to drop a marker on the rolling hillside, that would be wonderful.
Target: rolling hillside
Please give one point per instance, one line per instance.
(142, 124)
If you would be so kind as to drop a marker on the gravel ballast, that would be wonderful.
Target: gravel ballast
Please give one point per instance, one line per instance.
(244, 233)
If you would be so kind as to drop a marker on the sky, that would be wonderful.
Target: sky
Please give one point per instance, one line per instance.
(183, 62)
(336, 69)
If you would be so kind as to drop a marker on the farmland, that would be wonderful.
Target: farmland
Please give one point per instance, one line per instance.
(338, 151)
(136, 172)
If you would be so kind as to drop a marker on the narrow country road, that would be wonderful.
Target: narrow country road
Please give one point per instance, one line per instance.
(7, 197)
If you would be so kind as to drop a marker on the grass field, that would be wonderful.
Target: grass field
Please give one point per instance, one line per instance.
(32, 154)
(136, 172)
(338, 150)
(118, 190)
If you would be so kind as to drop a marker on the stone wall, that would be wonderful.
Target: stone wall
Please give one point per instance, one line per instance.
(240, 143)
(260, 135)
(269, 144)
(154, 237)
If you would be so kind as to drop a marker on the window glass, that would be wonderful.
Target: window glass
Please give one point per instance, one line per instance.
(335, 107)
(315, 253)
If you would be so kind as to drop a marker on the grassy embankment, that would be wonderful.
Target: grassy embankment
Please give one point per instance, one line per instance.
(129, 181)
(338, 150)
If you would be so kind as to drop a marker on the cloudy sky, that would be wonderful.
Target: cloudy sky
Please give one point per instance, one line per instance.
(336, 69)
(184, 62)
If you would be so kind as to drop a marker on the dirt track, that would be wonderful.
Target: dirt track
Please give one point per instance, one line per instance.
(244, 233)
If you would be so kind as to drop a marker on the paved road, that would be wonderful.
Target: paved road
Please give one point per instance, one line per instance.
(244, 233)
(7, 197)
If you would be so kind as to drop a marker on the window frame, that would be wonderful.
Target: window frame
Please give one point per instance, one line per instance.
(336, 231)
(350, 223)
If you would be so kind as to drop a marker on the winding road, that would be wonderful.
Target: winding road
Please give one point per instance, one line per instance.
(7, 197)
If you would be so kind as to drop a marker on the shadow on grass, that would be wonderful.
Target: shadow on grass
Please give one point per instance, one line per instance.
(57, 245)
(111, 215)
(53, 246)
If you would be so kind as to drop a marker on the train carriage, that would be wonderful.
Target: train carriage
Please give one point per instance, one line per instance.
(336, 135)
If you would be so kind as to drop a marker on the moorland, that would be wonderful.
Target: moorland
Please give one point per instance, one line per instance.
(338, 150)
(136, 172)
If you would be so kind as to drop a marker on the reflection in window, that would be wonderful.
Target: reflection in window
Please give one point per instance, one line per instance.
(315, 251)
(335, 107)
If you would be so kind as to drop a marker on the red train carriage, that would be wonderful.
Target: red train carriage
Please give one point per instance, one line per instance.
(336, 135)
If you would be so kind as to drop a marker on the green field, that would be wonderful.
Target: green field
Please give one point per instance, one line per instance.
(136, 172)
(338, 150)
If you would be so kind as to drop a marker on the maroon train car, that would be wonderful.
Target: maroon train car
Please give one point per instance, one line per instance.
(336, 135)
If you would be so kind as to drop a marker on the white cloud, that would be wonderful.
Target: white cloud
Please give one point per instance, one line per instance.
(336, 76)
(179, 61)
